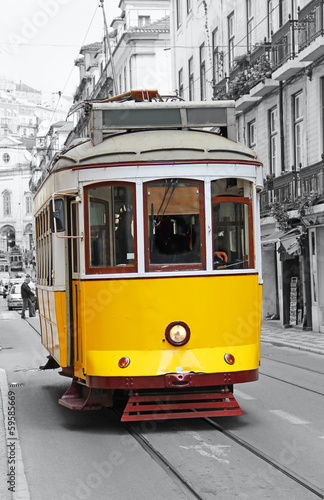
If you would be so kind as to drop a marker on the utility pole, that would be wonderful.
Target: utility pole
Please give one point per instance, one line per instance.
(109, 48)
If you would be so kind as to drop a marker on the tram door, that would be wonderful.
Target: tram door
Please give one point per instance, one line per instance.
(76, 285)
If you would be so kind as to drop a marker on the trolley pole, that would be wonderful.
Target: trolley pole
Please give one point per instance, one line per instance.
(109, 48)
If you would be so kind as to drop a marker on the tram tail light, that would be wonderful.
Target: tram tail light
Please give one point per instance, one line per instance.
(123, 362)
(229, 358)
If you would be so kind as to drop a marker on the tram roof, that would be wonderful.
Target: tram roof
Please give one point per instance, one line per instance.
(146, 146)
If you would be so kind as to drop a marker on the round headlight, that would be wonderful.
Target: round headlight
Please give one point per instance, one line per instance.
(177, 333)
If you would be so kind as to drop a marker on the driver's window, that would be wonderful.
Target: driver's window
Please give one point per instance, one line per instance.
(174, 225)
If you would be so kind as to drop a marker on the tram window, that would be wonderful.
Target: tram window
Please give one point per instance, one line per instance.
(232, 233)
(58, 214)
(174, 224)
(111, 228)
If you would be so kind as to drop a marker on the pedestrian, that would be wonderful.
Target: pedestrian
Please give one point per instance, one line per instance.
(28, 297)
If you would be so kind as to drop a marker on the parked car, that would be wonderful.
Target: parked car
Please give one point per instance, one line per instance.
(14, 299)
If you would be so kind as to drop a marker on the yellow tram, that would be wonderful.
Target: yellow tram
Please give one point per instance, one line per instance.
(148, 259)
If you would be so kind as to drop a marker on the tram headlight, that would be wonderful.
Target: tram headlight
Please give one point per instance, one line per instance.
(177, 333)
(229, 358)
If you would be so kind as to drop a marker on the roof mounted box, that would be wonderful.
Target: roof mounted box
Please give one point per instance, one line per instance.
(112, 117)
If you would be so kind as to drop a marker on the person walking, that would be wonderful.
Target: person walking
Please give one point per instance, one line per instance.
(28, 297)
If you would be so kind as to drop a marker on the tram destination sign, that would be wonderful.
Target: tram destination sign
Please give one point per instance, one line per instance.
(110, 117)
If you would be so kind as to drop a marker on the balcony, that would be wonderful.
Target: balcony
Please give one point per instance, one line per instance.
(264, 87)
(245, 102)
(250, 71)
(293, 186)
(284, 52)
(310, 31)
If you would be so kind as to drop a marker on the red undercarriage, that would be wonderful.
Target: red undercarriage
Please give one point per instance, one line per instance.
(170, 396)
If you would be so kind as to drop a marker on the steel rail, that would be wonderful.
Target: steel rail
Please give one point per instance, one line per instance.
(175, 475)
(273, 463)
(291, 383)
(291, 364)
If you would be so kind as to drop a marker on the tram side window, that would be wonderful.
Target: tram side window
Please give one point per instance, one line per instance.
(232, 233)
(174, 223)
(111, 228)
(44, 251)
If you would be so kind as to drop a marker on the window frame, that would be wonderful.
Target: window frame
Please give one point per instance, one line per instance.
(231, 39)
(244, 200)
(108, 269)
(191, 78)
(273, 138)
(175, 267)
(202, 71)
(298, 124)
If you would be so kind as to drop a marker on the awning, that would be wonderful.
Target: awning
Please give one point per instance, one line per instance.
(290, 245)
(272, 238)
(289, 242)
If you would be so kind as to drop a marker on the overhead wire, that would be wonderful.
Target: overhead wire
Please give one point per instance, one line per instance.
(61, 92)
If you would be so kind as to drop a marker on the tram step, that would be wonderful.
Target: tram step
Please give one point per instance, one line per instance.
(172, 406)
(78, 397)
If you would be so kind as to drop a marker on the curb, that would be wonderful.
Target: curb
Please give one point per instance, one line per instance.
(10, 451)
(278, 343)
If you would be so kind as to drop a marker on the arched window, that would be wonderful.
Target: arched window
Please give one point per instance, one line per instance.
(29, 203)
(6, 195)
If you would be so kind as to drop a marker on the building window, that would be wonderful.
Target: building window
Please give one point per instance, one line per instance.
(298, 128)
(125, 79)
(202, 65)
(6, 158)
(191, 79)
(189, 6)
(180, 82)
(217, 67)
(29, 204)
(144, 20)
(273, 140)
(231, 39)
(6, 203)
(251, 135)
(179, 12)
(250, 23)
(270, 18)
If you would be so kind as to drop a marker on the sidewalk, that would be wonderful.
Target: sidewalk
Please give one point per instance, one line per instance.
(273, 333)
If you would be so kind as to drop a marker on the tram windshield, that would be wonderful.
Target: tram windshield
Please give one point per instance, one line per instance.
(111, 227)
(232, 232)
(174, 224)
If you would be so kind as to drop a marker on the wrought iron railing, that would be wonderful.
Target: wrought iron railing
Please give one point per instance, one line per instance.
(283, 45)
(310, 23)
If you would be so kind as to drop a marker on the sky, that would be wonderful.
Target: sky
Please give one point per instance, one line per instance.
(41, 39)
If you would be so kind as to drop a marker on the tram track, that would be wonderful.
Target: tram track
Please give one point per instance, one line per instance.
(291, 383)
(188, 490)
(291, 364)
(270, 461)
